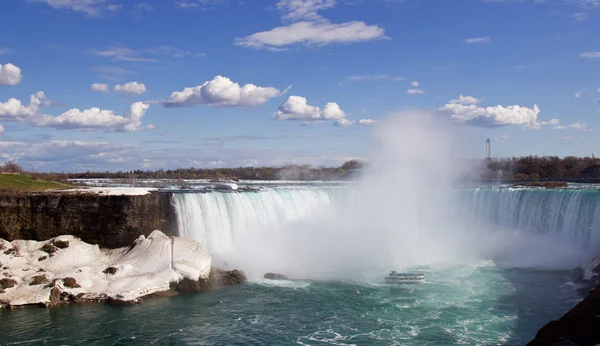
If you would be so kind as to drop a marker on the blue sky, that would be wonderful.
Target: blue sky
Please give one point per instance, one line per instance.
(211, 83)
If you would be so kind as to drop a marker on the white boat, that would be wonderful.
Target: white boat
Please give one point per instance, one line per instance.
(404, 278)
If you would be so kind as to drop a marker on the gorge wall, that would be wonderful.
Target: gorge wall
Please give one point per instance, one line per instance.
(109, 221)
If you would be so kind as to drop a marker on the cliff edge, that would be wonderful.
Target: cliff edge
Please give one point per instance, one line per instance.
(111, 220)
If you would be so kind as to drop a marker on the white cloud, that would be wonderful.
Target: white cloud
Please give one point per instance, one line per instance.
(10, 74)
(575, 126)
(590, 55)
(580, 93)
(375, 78)
(346, 122)
(222, 92)
(478, 40)
(1, 129)
(308, 28)
(343, 122)
(90, 7)
(14, 110)
(414, 91)
(297, 108)
(296, 10)
(131, 88)
(465, 100)
(99, 87)
(95, 118)
(312, 34)
(415, 84)
(466, 110)
(579, 16)
(5, 51)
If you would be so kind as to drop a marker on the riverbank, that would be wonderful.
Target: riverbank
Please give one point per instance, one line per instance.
(67, 270)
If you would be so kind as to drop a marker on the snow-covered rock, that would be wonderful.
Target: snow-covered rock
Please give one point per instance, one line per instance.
(149, 266)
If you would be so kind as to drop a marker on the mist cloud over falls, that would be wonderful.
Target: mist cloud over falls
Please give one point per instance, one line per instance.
(402, 212)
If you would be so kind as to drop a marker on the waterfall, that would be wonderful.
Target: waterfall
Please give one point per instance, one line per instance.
(567, 213)
(220, 218)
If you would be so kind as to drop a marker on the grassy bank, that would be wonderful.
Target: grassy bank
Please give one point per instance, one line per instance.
(25, 183)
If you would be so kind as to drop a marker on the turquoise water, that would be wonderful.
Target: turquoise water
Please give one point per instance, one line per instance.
(502, 300)
(477, 304)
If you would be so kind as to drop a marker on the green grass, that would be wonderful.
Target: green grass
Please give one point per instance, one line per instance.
(22, 182)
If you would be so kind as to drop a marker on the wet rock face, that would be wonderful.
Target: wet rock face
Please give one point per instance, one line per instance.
(38, 280)
(7, 283)
(110, 270)
(217, 278)
(579, 326)
(61, 244)
(70, 283)
(48, 248)
(108, 221)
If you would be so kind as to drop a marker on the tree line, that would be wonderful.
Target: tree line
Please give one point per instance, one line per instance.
(513, 168)
(544, 167)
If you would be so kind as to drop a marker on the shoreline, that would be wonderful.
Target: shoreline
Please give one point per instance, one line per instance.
(66, 270)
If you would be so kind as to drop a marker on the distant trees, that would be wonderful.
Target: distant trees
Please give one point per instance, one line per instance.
(11, 167)
(546, 167)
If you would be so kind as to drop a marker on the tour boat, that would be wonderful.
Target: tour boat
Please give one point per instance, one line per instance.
(405, 278)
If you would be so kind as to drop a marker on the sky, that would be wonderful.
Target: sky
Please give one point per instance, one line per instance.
(129, 84)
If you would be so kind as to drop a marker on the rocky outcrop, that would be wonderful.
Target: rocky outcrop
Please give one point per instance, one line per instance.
(111, 221)
(587, 275)
(544, 184)
(153, 266)
(578, 327)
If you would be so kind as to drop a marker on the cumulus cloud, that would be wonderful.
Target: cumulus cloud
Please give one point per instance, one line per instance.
(580, 93)
(309, 28)
(88, 119)
(297, 108)
(590, 55)
(414, 91)
(415, 84)
(1, 129)
(99, 87)
(465, 100)
(131, 88)
(465, 109)
(575, 126)
(478, 40)
(10, 74)
(346, 122)
(14, 110)
(222, 92)
(95, 118)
